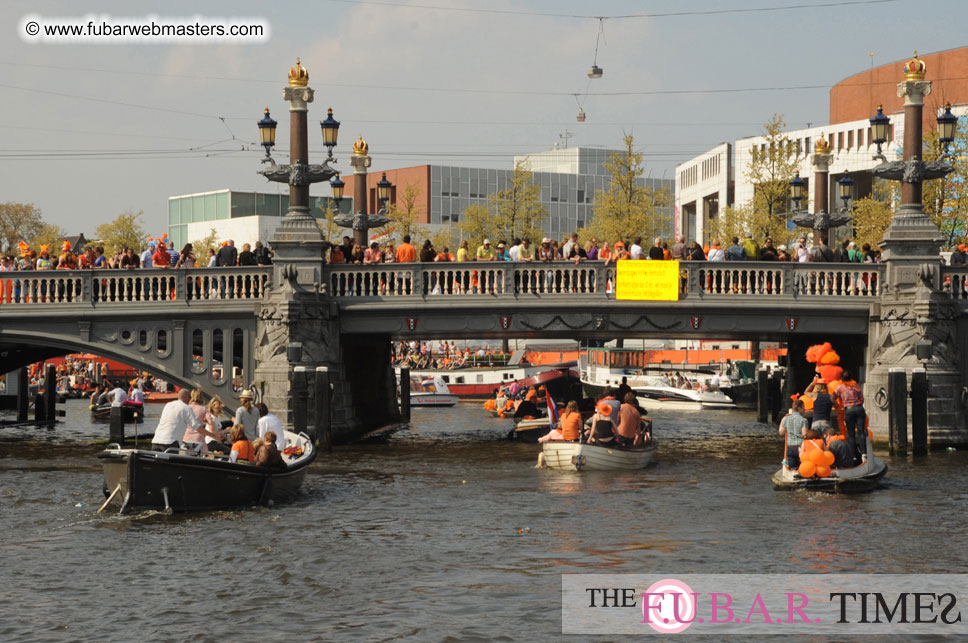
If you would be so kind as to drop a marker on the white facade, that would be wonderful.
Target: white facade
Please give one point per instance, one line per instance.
(570, 160)
(241, 229)
(698, 186)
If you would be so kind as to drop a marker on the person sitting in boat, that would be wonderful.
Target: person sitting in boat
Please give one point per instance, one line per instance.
(811, 442)
(268, 455)
(242, 450)
(570, 422)
(99, 396)
(629, 427)
(213, 418)
(554, 435)
(715, 382)
(792, 426)
(136, 396)
(836, 444)
(175, 418)
(602, 430)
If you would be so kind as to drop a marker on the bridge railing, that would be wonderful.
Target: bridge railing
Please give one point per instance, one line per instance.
(596, 280)
(93, 287)
(954, 281)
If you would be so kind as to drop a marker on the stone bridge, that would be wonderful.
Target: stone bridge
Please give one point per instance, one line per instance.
(199, 327)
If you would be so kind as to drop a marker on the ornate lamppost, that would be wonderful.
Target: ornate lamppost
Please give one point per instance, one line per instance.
(298, 237)
(821, 221)
(360, 221)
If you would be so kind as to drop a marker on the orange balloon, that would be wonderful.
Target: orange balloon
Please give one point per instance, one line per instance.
(807, 469)
(828, 458)
(823, 471)
(816, 456)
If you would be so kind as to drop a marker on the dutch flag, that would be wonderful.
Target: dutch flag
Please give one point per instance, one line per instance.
(552, 410)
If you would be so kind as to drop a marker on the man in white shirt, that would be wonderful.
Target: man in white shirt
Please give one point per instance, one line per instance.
(803, 255)
(175, 418)
(271, 422)
(247, 415)
(566, 249)
(136, 395)
(635, 252)
(513, 250)
(118, 395)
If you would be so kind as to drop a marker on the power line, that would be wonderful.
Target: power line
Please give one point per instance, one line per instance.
(711, 12)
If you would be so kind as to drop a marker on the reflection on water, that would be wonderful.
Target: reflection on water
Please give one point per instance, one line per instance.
(449, 530)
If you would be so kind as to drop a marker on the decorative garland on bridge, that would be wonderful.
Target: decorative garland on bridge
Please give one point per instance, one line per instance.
(651, 323)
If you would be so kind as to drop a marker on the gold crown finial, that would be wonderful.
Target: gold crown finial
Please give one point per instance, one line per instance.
(360, 147)
(914, 69)
(298, 75)
(822, 146)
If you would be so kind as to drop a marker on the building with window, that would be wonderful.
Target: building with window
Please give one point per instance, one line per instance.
(243, 216)
(718, 178)
(569, 179)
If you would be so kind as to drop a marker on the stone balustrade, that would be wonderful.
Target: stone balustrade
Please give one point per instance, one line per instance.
(98, 287)
(509, 279)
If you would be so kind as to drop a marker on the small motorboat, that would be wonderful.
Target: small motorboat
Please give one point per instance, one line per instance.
(530, 429)
(181, 480)
(430, 392)
(579, 456)
(130, 413)
(154, 397)
(669, 397)
(863, 477)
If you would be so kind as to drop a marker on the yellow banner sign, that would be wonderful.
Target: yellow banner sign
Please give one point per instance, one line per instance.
(645, 280)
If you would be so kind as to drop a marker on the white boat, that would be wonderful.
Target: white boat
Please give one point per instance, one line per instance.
(430, 392)
(576, 456)
(603, 367)
(482, 382)
(863, 477)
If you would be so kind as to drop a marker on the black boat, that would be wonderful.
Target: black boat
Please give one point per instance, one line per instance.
(181, 480)
(130, 414)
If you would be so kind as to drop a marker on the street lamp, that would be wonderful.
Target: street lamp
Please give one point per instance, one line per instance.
(946, 128)
(383, 192)
(880, 127)
(330, 132)
(846, 186)
(267, 132)
(797, 190)
(337, 185)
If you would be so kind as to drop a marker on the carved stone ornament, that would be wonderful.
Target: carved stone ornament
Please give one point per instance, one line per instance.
(912, 171)
(821, 220)
(360, 221)
(299, 173)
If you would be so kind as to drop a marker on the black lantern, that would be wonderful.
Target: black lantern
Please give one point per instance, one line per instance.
(337, 185)
(946, 126)
(267, 132)
(383, 189)
(330, 132)
(846, 186)
(880, 128)
(797, 189)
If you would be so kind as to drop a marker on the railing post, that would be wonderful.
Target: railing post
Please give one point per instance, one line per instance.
(787, 274)
(87, 288)
(508, 272)
(181, 292)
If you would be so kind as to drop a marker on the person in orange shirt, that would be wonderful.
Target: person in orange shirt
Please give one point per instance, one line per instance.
(570, 422)
(242, 450)
(406, 253)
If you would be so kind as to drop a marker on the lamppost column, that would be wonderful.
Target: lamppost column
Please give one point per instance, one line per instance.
(913, 93)
(360, 162)
(298, 98)
(821, 160)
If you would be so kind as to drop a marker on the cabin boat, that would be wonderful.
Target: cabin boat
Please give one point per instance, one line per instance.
(180, 480)
(430, 392)
(603, 367)
(481, 382)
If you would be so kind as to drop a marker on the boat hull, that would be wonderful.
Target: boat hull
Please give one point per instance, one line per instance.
(530, 430)
(129, 414)
(864, 477)
(433, 399)
(181, 483)
(556, 380)
(574, 456)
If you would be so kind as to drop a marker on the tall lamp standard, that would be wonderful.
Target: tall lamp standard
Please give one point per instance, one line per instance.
(821, 221)
(947, 123)
(880, 128)
(298, 226)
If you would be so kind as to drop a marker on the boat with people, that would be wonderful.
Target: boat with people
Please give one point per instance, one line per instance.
(481, 382)
(430, 392)
(183, 479)
(584, 456)
(863, 477)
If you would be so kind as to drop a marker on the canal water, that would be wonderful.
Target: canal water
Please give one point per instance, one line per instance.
(446, 533)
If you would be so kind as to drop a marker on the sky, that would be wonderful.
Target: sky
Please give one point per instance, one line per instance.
(91, 130)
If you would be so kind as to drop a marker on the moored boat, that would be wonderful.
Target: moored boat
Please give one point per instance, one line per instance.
(430, 392)
(657, 395)
(482, 382)
(864, 477)
(577, 456)
(129, 413)
(181, 480)
(154, 397)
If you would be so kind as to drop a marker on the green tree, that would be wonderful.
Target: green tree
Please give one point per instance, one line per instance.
(476, 224)
(946, 200)
(626, 209)
(125, 231)
(327, 226)
(201, 247)
(403, 216)
(517, 211)
(49, 235)
(732, 222)
(771, 169)
(19, 222)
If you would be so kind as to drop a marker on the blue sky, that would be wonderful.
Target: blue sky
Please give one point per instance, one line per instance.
(421, 84)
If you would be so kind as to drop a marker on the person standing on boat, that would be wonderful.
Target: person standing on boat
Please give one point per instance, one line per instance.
(176, 417)
(629, 422)
(118, 395)
(822, 405)
(851, 399)
(247, 415)
(199, 433)
(271, 422)
(792, 426)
